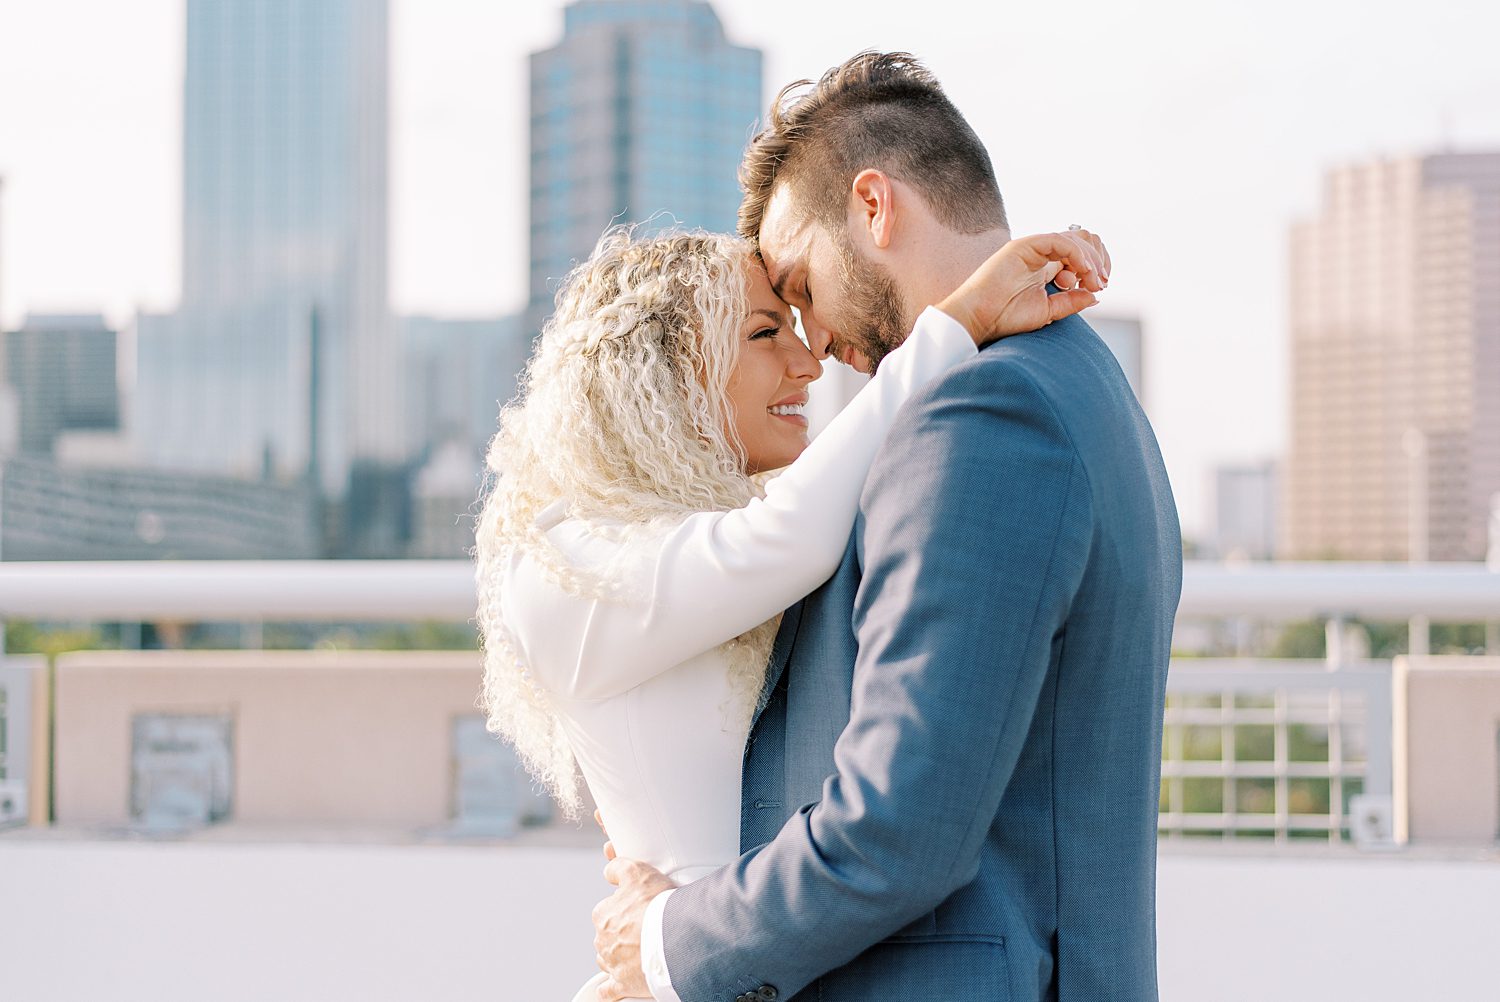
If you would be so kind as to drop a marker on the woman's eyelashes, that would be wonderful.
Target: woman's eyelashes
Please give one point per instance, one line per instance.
(765, 332)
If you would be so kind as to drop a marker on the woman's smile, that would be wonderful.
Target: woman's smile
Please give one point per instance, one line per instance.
(790, 410)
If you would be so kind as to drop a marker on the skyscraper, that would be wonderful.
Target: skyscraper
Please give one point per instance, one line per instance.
(1125, 340)
(10, 404)
(459, 373)
(1245, 496)
(284, 219)
(643, 107)
(1395, 316)
(62, 370)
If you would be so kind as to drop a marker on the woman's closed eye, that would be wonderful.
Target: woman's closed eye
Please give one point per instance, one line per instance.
(765, 332)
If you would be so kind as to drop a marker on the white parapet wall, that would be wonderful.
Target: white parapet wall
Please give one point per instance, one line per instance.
(330, 737)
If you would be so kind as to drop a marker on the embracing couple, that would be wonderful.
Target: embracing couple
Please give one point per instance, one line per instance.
(885, 723)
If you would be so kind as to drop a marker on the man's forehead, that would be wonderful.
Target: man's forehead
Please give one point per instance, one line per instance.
(785, 238)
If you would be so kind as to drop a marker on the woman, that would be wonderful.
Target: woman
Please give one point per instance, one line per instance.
(633, 559)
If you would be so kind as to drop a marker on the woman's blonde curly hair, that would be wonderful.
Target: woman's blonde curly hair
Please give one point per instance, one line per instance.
(623, 412)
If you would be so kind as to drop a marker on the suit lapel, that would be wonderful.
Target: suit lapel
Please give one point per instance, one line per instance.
(781, 653)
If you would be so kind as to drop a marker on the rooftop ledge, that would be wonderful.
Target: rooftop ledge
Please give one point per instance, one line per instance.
(587, 837)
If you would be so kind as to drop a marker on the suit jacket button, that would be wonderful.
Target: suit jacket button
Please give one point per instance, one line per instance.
(767, 994)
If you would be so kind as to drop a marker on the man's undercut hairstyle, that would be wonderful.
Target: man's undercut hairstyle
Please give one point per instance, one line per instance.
(880, 110)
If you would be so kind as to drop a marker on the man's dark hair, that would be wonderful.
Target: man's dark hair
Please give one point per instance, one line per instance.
(881, 110)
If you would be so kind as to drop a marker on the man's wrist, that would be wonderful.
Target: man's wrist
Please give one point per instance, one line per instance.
(654, 950)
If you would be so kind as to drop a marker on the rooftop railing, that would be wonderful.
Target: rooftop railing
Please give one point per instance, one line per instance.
(409, 590)
(1285, 749)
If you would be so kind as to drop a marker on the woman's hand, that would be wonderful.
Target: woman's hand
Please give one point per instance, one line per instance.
(609, 845)
(1007, 294)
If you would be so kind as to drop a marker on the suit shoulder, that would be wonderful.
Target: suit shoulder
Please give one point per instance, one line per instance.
(1001, 371)
(1065, 363)
(975, 401)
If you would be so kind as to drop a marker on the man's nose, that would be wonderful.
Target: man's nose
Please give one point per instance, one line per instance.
(819, 338)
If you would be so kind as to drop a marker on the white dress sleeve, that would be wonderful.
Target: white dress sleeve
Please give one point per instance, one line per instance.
(719, 573)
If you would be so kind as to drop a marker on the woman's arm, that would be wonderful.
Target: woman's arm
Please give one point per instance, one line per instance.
(717, 574)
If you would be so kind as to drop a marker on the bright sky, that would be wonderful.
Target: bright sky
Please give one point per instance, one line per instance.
(1189, 133)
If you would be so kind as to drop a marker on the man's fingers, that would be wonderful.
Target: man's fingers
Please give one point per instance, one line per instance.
(609, 991)
(609, 850)
(616, 869)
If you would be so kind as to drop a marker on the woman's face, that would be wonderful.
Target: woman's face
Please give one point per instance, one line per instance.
(768, 386)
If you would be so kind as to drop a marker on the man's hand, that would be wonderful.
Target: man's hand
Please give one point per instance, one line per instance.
(1007, 294)
(617, 927)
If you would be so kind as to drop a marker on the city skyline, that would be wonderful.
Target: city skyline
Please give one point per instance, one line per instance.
(1232, 139)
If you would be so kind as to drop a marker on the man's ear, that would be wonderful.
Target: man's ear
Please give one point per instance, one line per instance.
(872, 207)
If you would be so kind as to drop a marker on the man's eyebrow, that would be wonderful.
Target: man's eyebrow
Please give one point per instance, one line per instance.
(778, 284)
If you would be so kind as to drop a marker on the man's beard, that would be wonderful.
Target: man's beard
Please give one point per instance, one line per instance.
(873, 320)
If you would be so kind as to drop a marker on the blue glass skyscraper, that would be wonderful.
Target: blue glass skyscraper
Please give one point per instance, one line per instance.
(284, 218)
(643, 107)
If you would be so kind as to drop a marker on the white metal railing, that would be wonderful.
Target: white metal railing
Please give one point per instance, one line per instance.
(238, 590)
(1279, 748)
(410, 590)
(1451, 591)
(1270, 709)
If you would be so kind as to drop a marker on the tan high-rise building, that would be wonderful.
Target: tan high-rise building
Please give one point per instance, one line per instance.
(1395, 315)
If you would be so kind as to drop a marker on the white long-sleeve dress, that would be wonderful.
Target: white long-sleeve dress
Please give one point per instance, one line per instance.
(640, 684)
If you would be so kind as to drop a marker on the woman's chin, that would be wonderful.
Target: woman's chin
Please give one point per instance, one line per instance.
(780, 459)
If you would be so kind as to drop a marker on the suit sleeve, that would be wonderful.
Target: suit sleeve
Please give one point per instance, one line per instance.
(716, 574)
(976, 533)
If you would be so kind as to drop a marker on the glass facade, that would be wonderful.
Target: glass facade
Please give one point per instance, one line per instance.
(640, 113)
(63, 369)
(284, 215)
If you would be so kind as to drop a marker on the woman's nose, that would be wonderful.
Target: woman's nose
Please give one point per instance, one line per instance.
(801, 364)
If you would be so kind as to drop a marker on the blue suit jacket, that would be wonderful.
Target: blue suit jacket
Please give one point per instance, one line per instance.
(952, 793)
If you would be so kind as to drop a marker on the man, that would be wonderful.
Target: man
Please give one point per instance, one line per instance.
(951, 790)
